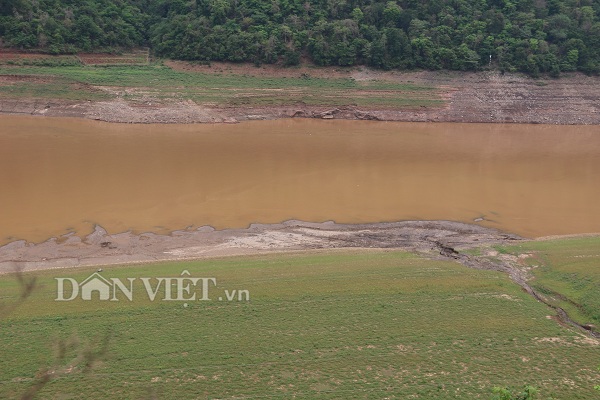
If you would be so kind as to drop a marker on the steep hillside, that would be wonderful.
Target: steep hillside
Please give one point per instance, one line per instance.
(533, 36)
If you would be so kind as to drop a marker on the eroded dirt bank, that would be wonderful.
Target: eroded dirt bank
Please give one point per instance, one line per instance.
(102, 248)
(467, 97)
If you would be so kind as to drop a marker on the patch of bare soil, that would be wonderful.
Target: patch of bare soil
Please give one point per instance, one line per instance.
(495, 97)
(153, 112)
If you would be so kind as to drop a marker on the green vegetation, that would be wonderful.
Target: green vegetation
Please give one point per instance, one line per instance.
(40, 61)
(530, 36)
(321, 326)
(163, 83)
(528, 393)
(567, 272)
(55, 89)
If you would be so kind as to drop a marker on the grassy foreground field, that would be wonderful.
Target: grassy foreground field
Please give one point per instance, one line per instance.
(163, 84)
(366, 325)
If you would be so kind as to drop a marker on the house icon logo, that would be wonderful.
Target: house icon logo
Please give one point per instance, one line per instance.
(94, 287)
(95, 283)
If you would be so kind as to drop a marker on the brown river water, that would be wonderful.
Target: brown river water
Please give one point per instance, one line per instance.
(59, 175)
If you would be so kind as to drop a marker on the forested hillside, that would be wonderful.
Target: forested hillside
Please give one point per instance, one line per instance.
(533, 36)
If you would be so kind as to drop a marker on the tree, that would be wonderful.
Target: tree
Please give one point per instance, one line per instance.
(392, 13)
(530, 36)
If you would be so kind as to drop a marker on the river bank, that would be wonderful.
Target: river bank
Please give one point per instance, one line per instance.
(470, 245)
(179, 92)
(103, 248)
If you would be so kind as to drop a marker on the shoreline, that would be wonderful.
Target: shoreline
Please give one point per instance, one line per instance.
(100, 248)
(436, 96)
(163, 115)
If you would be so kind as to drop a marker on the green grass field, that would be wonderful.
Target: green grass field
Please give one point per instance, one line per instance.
(350, 325)
(164, 84)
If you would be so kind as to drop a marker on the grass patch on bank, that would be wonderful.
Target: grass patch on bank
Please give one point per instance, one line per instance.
(59, 89)
(234, 90)
(567, 272)
(317, 326)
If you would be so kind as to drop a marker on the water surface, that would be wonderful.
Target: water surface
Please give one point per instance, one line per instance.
(59, 175)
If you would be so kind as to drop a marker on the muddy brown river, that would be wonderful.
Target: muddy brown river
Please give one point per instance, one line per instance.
(64, 175)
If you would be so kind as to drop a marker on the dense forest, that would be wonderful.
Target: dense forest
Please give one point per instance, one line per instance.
(533, 36)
